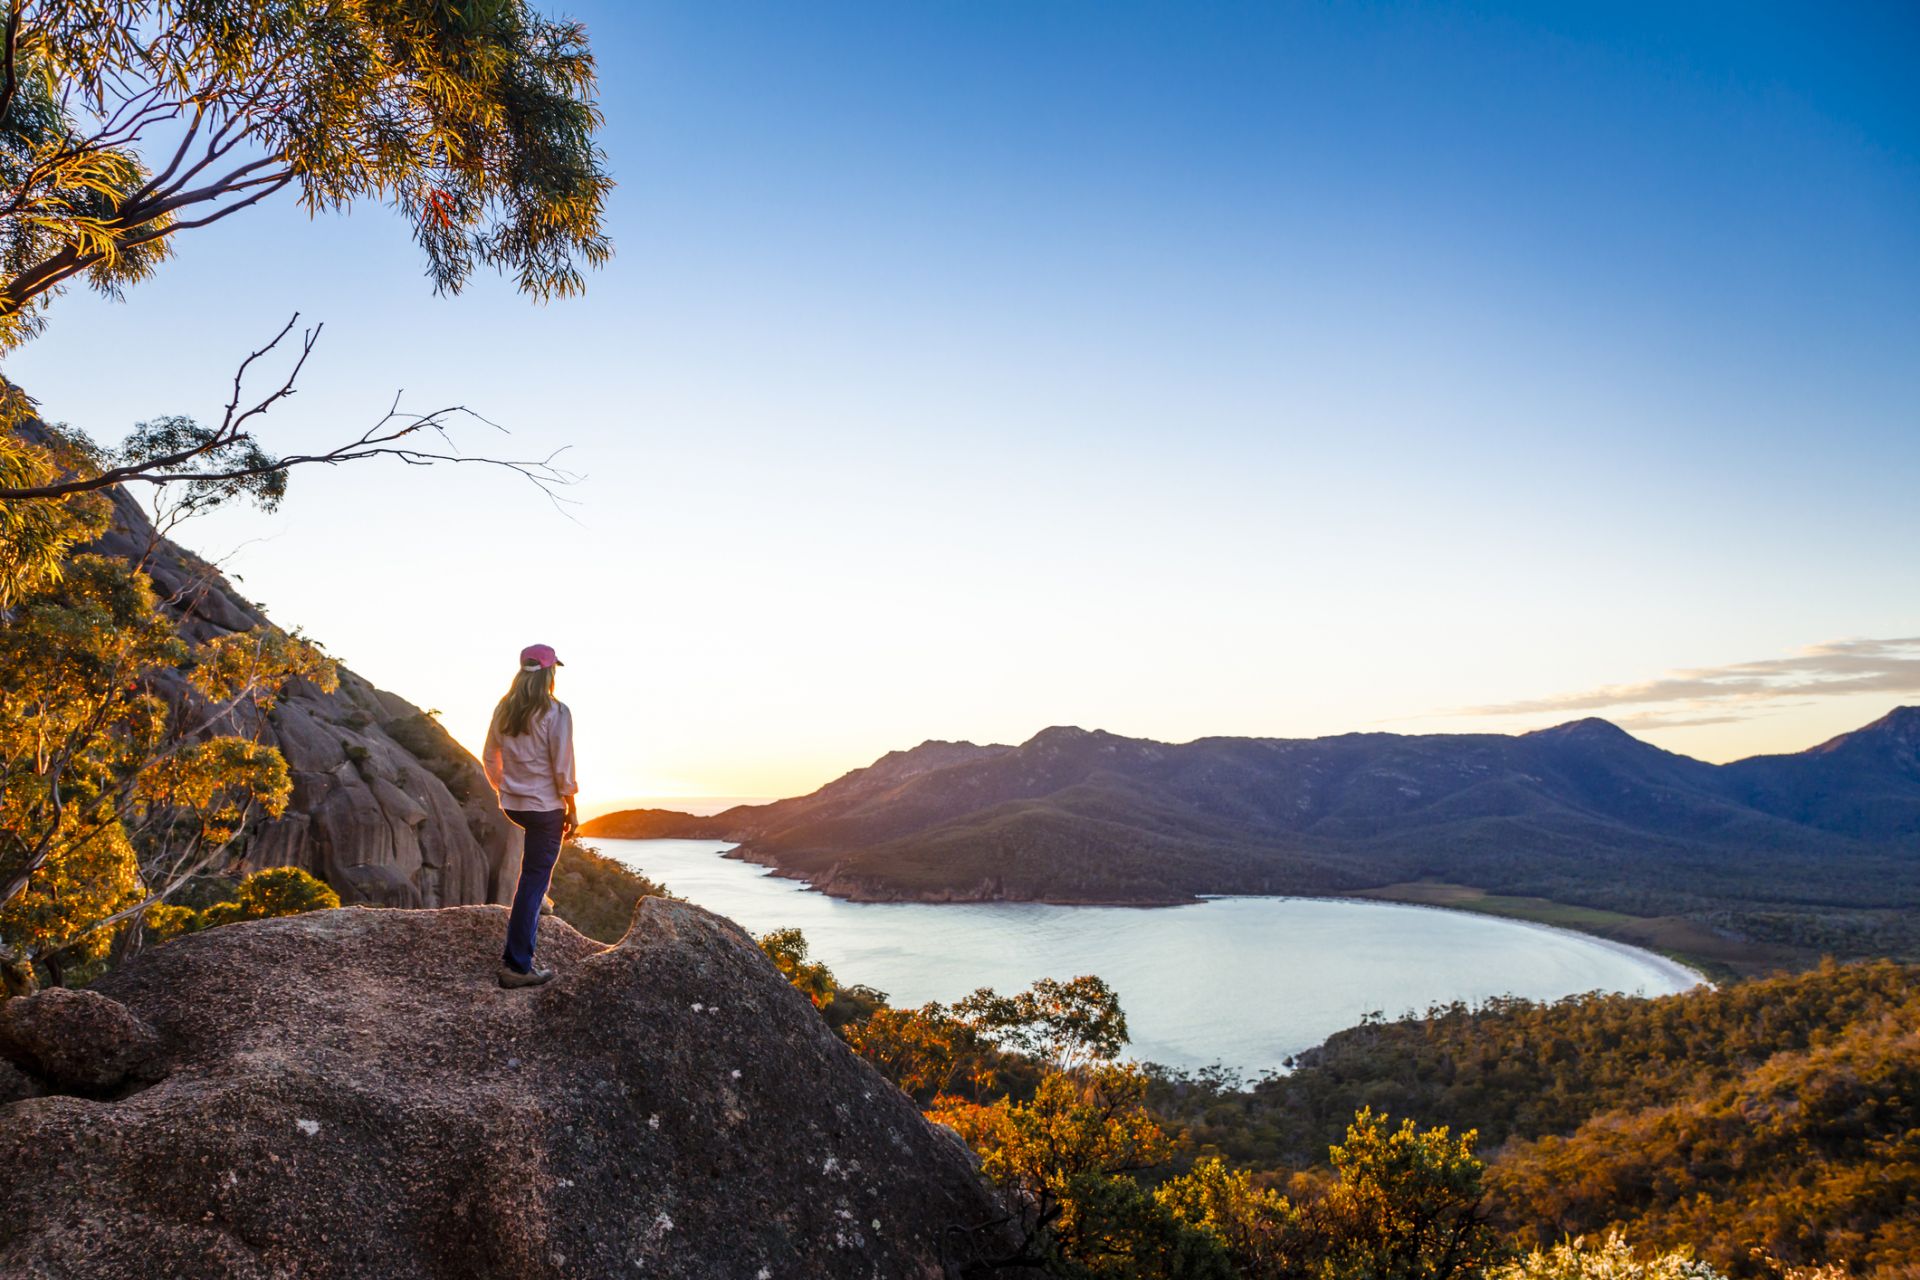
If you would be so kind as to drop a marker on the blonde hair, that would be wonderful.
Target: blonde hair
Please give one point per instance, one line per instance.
(530, 694)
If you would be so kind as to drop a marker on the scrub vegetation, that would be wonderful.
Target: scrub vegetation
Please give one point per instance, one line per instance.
(1765, 1129)
(595, 894)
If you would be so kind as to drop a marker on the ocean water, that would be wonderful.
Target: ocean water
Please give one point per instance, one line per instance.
(1241, 981)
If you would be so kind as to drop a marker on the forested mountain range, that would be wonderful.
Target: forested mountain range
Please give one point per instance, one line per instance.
(1825, 840)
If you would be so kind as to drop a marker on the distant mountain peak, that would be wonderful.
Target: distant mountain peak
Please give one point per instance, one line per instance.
(1588, 728)
(934, 746)
(1899, 728)
(1061, 734)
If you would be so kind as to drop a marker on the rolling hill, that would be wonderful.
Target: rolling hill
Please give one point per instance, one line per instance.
(1813, 849)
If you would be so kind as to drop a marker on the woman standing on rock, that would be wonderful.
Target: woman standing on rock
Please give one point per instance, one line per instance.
(529, 761)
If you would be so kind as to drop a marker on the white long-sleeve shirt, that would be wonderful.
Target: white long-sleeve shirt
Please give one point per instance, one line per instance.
(534, 770)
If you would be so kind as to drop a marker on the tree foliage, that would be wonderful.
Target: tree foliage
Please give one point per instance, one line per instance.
(1513, 1067)
(1404, 1204)
(1813, 1156)
(1055, 1156)
(930, 1052)
(1407, 1204)
(1067, 1024)
(275, 891)
(1609, 1259)
(126, 763)
(1767, 1125)
(37, 537)
(126, 122)
(787, 948)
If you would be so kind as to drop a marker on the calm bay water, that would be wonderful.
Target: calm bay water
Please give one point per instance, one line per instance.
(1242, 981)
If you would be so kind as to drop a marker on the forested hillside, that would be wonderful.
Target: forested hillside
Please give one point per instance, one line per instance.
(1780, 1113)
(1797, 855)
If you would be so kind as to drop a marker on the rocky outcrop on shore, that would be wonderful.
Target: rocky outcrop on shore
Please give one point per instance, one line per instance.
(349, 1094)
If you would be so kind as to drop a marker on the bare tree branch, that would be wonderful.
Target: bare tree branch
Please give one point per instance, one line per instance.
(392, 435)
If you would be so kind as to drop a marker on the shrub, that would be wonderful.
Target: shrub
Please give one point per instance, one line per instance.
(276, 891)
(1612, 1260)
(597, 895)
(787, 948)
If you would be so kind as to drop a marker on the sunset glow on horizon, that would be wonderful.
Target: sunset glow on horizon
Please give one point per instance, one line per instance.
(1246, 370)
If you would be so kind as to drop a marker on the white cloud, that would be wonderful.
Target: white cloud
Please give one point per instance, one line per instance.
(1720, 695)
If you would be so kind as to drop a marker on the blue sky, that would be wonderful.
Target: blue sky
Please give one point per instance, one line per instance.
(1176, 369)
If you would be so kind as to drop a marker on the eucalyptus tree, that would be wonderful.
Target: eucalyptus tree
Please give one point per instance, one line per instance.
(126, 123)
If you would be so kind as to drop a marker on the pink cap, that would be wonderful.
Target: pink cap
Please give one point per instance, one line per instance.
(536, 656)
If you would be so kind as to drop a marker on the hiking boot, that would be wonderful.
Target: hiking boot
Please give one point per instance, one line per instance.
(511, 977)
(546, 906)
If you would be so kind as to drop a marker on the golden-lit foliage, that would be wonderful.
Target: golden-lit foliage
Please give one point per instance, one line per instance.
(86, 877)
(475, 121)
(113, 779)
(1812, 1156)
(929, 1052)
(1067, 1024)
(1513, 1068)
(787, 948)
(165, 921)
(36, 537)
(1766, 1125)
(254, 666)
(1259, 1230)
(1090, 1121)
(1609, 1259)
(1403, 1203)
(1053, 1154)
(276, 891)
(1406, 1205)
(214, 786)
(985, 1040)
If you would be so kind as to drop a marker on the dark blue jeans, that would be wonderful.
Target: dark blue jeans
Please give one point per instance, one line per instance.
(542, 850)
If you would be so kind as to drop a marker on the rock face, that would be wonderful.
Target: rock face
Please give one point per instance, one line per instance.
(387, 807)
(349, 1094)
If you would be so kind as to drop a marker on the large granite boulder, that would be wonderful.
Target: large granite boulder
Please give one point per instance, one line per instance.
(349, 1094)
(387, 807)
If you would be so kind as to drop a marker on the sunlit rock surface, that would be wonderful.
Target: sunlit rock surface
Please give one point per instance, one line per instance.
(348, 1093)
(387, 807)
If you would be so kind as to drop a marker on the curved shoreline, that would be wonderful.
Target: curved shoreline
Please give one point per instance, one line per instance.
(1671, 966)
(1327, 960)
(1674, 968)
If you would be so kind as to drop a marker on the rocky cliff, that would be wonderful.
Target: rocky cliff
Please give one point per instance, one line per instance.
(387, 807)
(348, 1094)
